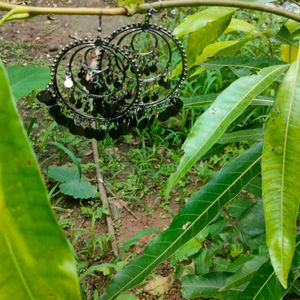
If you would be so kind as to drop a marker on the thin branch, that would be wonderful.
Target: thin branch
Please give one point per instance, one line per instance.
(143, 8)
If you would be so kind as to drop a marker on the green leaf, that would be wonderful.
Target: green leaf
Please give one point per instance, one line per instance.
(70, 153)
(204, 28)
(202, 19)
(254, 187)
(245, 273)
(134, 239)
(199, 211)
(240, 61)
(240, 25)
(127, 297)
(206, 286)
(222, 48)
(25, 79)
(212, 124)
(35, 259)
(247, 135)
(281, 172)
(265, 284)
(78, 189)
(63, 173)
(253, 215)
(71, 183)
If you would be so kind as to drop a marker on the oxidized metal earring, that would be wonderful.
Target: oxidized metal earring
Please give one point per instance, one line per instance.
(108, 86)
(163, 65)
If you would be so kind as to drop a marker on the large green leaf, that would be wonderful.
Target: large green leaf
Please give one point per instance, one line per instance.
(200, 210)
(245, 273)
(265, 284)
(213, 123)
(202, 19)
(206, 286)
(204, 28)
(281, 172)
(25, 79)
(247, 135)
(35, 259)
(71, 183)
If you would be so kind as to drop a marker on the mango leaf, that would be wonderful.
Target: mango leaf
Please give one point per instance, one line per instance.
(35, 259)
(241, 61)
(245, 273)
(223, 48)
(265, 284)
(25, 79)
(281, 172)
(240, 25)
(212, 124)
(207, 286)
(204, 28)
(202, 19)
(199, 211)
(254, 187)
(247, 135)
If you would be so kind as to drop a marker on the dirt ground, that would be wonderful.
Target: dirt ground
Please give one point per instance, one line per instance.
(48, 34)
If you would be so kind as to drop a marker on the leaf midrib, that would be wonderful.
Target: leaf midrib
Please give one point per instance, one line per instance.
(284, 162)
(18, 267)
(180, 236)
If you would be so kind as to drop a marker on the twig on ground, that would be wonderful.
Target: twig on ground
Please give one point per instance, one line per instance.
(103, 197)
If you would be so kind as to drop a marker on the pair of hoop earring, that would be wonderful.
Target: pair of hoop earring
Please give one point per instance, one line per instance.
(107, 86)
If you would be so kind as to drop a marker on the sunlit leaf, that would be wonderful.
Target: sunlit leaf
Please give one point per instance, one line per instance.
(35, 259)
(212, 124)
(240, 25)
(281, 172)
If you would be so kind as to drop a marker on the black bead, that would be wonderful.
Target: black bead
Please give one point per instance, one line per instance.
(75, 129)
(154, 97)
(54, 110)
(153, 68)
(78, 104)
(117, 84)
(163, 116)
(46, 97)
(146, 99)
(114, 133)
(143, 123)
(62, 120)
(146, 71)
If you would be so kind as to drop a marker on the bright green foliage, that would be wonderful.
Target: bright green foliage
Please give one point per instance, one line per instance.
(265, 284)
(200, 210)
(71, 183)
(203, 28)
(207, 285)
(281, 172)
(213, 123)
(35, 259)
(130, 4)
(25, 79)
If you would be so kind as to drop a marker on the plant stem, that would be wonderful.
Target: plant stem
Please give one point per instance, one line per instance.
(143, 8)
